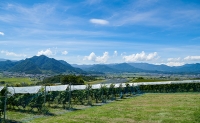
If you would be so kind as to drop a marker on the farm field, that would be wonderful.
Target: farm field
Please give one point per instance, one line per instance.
(15, 80)
(109, 81)
(147, 108)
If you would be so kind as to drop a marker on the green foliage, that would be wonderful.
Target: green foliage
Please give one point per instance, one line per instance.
(74, 80)
(144, 79)
(88, 78)
(171, 88)
(2, 82)
(54, 79)
(5, 65)
(112, 91)
(2, 101)
(26, 66)
(139, 78)
(64, 79)
(96, 95)
(37, 102)
(80, 96)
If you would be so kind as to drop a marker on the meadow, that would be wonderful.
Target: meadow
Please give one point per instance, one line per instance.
(146, 108)
(15, 80)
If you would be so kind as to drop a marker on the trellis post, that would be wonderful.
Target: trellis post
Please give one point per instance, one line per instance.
(4, 116)
(70, 95)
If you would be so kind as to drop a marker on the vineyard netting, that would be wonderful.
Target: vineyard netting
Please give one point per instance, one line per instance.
(39, 99)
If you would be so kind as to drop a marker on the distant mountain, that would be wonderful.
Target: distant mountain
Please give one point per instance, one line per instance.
(3, 59)
(124, 67)
(26, 66)
(43, 64)
(111, 68)
(101, 68)
(5, 65)
(188, 68)
(50, 64)
(82, 66)
(78, 70)
(152, 67)
(141, 67)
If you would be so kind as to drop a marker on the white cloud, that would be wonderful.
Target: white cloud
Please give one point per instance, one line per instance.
(1, 33)
(91, 57)
(115, 53)
(12, 54)
(192, 58)
(99, 21)
(124, 53)
(64, 52)
(140, 57)
(46, 52)
(99, 59)
(174, 59)
(102, 59)
(175, 63)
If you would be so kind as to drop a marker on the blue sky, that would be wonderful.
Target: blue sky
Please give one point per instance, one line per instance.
(102, 31)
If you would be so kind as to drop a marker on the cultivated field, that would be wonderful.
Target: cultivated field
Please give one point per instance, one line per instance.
(15, 80)
(147, 108)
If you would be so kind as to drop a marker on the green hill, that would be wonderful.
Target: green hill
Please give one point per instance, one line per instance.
(43, 64)
(26, 66)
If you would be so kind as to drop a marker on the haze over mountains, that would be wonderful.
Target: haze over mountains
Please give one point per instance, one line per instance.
(43, 64)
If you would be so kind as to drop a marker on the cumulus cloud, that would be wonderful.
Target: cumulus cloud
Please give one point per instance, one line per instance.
(1, 33)
(175, 63)
(140, 57)
(7, 53)
(91, 57)
(99, 21)
(115, 53)
(174, 59)
(124, 53)
(192, 58)
(100, 59)
(46, 52)
(64, 52)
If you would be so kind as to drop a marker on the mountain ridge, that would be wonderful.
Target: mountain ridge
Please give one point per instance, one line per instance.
(44, 64)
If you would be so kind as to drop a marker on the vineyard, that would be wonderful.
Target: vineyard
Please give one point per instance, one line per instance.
(40, 99)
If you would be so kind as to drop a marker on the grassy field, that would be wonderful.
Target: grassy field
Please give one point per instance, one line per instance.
(148, 108)
(16, 80)
(95, 82)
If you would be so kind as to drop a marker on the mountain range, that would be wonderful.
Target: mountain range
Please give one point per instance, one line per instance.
(141, 67)
(38, 65)
(44, 64)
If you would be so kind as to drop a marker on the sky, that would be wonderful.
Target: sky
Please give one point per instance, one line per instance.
(102, 31)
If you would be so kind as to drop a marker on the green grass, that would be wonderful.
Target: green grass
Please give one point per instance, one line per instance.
(148, 80)
(16, 80)
(148, 108)
(95, 82)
